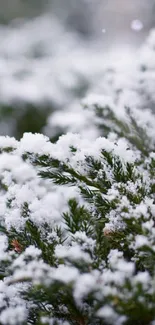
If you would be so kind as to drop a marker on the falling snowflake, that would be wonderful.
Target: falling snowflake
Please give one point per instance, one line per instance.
(136, 25)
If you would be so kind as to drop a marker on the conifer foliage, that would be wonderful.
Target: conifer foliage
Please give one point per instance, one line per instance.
(77, 240)
(77, 211)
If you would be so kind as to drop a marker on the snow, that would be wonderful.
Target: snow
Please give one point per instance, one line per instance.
(65, 274)
(109, 315)
(74, 253)
(130, 201)
(33, 143)
(85, 284)
(106, 312)
(13, 315)
(141, 241)
(86, 242)
(3, 243)
(7, 142)
(143, 278)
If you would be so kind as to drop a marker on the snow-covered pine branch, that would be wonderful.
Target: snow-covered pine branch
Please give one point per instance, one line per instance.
(77, 223)
(77, 216)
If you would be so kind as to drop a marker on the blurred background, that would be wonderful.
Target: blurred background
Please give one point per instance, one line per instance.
(52, 52)
(87, 17)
